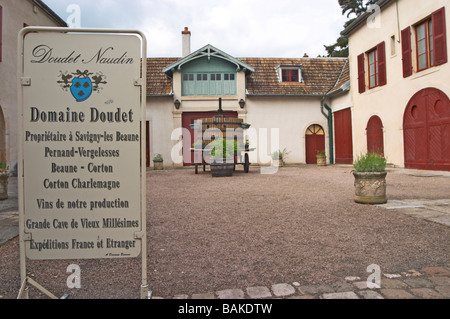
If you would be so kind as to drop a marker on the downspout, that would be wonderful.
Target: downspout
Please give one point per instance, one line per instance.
(329, 117)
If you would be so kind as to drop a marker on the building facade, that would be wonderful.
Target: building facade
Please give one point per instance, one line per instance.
(14, 15)
(287, 96)
(401, 83)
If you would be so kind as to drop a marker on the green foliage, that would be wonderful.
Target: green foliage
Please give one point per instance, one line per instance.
(321, 153)
(158, 158)
(224, 148)
(281, 155)
(370, 162)
(3, 167)
(357, 7)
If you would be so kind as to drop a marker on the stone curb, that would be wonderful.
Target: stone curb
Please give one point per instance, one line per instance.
(428, 283)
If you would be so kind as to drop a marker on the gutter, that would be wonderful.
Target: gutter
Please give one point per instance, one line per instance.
(50, 12)
(329, 114)
(363, 17)
(329, 117)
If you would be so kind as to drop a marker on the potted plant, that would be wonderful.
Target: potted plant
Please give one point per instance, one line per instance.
(370, 179)
(321, 158)
(3, 181)
(158, 162)
(280, 155)
(222, 157)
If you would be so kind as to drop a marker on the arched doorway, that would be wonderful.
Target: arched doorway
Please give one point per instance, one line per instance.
(315, 141)
(375, 143)
(426, 131)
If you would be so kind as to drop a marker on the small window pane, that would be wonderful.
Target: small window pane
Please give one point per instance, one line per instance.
(205, 77)
(422, 61)
(231, 77)
(372, 81)
(191, 77)
(421, 32)
(199, 77)
(213, 77)
(185, 77)
(218, 77)
(226, 77)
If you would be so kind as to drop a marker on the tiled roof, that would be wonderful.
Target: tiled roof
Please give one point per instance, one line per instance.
(157, 82)
(319, 76)
(343, 79)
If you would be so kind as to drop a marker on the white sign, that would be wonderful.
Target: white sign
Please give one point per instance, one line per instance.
(81, 143)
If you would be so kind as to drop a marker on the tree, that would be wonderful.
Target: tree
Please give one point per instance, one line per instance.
(356, 7)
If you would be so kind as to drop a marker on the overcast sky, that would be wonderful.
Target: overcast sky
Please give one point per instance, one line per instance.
(241, 28)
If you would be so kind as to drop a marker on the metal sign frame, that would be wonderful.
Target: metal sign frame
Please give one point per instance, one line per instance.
(23, 81)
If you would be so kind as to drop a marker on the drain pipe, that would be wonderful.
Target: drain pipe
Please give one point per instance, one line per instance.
(329, 117)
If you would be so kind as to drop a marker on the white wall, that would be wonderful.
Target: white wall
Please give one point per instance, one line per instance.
(15, 14)
(292, 116)
(389, 101)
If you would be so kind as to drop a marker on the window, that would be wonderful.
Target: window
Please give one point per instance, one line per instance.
(376, 68)
(424, 45)
(431, 43)
(289, 75)
(373, 68)
(393, 50)
(194, 84)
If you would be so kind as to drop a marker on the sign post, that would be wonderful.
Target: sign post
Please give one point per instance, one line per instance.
(81, 171)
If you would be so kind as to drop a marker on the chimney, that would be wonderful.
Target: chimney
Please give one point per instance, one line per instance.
(186, 42)
(306, 55)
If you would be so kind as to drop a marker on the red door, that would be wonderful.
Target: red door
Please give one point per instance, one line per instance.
(426, 131)
(375, 143)
(343, 136)
(315, 141)
(188, 118)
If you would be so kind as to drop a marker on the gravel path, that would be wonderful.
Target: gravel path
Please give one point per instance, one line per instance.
(208, 234)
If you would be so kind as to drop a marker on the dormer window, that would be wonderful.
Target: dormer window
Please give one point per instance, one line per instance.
(289, 73)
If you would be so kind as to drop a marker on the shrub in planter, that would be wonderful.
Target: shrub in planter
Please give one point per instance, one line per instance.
(222, 157)
(158, 162)
(370, 179)
(321, 158)
(280, 155)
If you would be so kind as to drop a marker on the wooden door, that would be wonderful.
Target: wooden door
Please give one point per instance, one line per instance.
(343, 137)
(315, 141)
(375, 143)
(426, 131)
(188, 118)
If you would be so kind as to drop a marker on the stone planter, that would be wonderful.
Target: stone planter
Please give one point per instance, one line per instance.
(321, 161)
(3, 186)
(222, 169)
(370, 187)
(158, 165)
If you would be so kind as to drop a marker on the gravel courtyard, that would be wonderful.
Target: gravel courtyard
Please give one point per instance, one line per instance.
(301, 224)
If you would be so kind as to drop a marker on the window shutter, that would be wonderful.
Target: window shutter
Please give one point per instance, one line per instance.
(381, 51)
(406, 52)
(361, 74)
(439, 37)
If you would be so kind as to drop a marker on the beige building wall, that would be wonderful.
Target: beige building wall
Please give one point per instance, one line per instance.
(291, 116)
(15, 14)
(389, 101)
